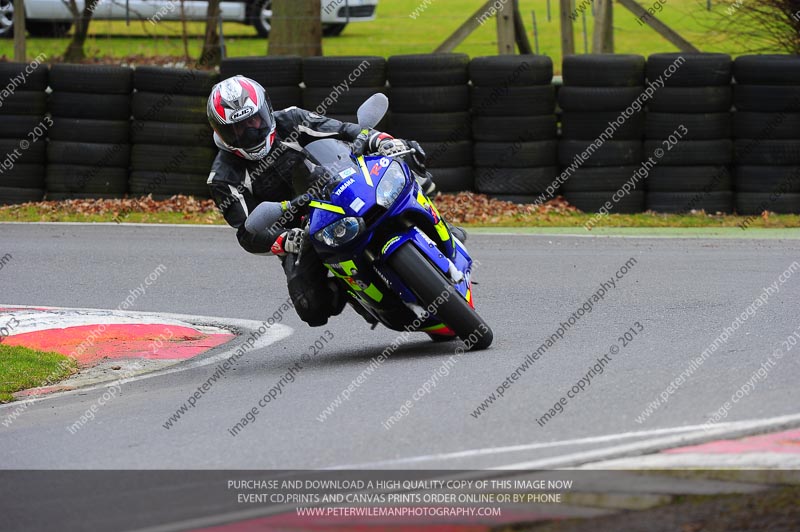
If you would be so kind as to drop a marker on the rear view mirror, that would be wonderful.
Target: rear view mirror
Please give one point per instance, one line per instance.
(373, 110)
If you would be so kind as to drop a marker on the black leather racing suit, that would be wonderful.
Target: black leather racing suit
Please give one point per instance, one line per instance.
(239, 185)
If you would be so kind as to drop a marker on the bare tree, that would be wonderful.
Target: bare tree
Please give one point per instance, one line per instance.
(212, 46)
(296, 28)
(762, 25)
(80, 20)
(184, 32)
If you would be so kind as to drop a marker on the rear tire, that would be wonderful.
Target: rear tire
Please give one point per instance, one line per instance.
(333, 30)
(428, 284)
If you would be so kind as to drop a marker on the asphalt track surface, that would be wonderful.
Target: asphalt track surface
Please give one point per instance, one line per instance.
(683, 292)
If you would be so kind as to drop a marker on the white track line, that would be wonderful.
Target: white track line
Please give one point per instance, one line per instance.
(487, 451)
(273, 334)
(731, 430)
(685, 435)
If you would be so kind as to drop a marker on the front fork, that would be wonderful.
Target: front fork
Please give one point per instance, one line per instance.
(457, 270)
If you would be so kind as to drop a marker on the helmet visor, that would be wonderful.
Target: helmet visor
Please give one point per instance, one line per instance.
(248, 133)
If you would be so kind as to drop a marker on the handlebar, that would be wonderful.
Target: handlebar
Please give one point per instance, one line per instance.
(303, 199)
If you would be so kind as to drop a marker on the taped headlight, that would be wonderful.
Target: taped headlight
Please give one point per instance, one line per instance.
(391, 185)
(340, 232)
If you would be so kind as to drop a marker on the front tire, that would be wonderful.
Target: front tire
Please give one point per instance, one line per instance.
(6, 19)
(333, 30)
(48, 29)
(429, 284)
(262, 17)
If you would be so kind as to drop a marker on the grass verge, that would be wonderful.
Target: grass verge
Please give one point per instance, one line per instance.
(471, 210)
(22, 368)
(416, 27)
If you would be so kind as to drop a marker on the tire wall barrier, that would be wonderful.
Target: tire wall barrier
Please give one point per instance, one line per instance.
(670, 133)
(172, 144)
(22, 171)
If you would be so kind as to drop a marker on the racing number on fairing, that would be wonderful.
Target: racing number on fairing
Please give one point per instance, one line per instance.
(349, 270)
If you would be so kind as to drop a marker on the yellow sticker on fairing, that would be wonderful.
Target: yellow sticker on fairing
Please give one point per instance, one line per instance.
(349, 269)
(363, 164)
(326, 207)
(441, 228)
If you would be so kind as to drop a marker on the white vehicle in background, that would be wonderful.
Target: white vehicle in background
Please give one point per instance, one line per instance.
(51, 18)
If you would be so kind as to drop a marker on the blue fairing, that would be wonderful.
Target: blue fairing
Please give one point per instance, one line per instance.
(462, 262)
(362, 263)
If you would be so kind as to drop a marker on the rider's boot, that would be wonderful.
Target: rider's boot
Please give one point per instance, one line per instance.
(426, 183)
(459, 232)
(429, 187)
(339, 299)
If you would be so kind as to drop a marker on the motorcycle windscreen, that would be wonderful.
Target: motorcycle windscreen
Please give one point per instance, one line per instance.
(333, 159)
(330, 153)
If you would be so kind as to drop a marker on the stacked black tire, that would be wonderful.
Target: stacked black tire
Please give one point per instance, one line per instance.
(689, 125)
(22, 161)
(173, 146)
(89, 152)
(598, 91)
(767, 133)
(280, 77)
(337, 86)
(514, 127)
(430, 103)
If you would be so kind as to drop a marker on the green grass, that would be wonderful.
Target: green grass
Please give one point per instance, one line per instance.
(34, 213)
(22, 368)
(648, 220)
(395, 32)
(665, 232)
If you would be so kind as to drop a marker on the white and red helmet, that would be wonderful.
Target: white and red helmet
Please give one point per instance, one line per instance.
(240, 113)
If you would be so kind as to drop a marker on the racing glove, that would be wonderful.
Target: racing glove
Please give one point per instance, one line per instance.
(290, 241)
(370, 141)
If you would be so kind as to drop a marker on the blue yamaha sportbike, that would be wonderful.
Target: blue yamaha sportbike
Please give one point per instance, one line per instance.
(385, 241)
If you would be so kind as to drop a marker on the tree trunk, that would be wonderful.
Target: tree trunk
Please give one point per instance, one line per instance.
(80, 20)
(212, 47)
(603, 38)
(19, 31)
(296, 28)
(184, 32)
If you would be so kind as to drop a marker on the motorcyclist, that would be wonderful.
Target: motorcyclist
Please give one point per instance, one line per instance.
(260, 159)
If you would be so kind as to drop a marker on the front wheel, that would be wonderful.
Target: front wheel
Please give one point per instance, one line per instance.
(262, 17)
(6, 19)
(429, 285)
(333, 30)
(48, 29)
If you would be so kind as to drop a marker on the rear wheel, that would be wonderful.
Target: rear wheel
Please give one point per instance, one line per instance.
(430, 286)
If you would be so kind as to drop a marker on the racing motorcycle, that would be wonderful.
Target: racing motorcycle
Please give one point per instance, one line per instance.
(384, 240)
